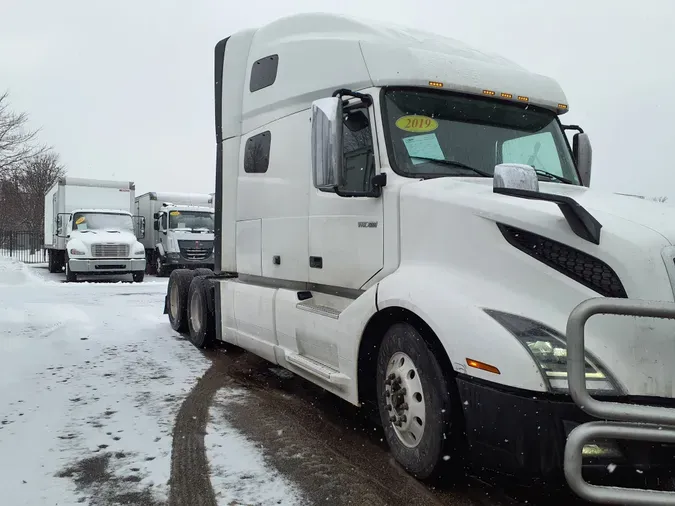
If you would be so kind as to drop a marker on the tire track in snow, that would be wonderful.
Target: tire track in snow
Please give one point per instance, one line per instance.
(190, 481)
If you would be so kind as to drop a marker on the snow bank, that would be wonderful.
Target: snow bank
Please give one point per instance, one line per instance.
(13, 272)
(239, 473)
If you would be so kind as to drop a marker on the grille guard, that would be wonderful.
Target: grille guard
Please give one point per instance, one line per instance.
(627, 421)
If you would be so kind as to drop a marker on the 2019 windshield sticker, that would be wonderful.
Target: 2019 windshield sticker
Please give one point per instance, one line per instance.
(80, 220)
(416, 124)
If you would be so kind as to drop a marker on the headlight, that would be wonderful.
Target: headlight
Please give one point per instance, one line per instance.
(549, 350)
(75, 251)
(139, 251)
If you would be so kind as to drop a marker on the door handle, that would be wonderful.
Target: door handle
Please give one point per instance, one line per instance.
(316, 262)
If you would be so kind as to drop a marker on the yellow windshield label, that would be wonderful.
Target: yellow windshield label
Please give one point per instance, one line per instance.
(81, 219)
(175, 213)
(416, 124)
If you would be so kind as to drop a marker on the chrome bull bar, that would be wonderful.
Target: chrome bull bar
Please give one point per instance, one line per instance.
(626, 421)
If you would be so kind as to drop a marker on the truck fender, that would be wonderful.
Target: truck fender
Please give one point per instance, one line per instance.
(160, 249)
(461, 326)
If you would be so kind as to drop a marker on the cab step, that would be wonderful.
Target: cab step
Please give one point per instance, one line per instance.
(317, 369)
(313, 307)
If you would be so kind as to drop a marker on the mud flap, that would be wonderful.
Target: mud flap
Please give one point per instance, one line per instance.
(166, 304)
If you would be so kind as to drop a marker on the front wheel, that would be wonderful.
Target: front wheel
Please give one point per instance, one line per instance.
(420, 419)
(138, 276)
(160, 268)
(71, 277)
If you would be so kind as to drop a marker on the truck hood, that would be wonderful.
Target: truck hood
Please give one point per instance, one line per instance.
(636, 241)
(609, 209)
(103, 236)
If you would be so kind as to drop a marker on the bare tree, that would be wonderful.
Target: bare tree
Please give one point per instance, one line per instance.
(36, 176)
(16, 140)
(659, 199)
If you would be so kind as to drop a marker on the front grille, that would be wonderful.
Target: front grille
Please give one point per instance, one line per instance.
(195, 250)
(575, 264)
(110, 250)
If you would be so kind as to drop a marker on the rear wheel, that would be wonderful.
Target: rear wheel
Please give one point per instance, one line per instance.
(177, 297)
(200, 319)
(420, 417)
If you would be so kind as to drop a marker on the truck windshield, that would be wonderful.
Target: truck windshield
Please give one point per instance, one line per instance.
(102, 221)
(434, 133)
(191, 220)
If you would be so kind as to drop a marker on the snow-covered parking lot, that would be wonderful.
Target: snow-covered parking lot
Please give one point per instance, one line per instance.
(92, 380)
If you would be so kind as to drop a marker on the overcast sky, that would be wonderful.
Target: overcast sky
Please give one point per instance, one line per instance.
(124, 89)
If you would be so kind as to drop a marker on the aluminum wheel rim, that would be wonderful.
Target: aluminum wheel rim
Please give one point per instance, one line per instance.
(195, 313)
(173, 300)
(404, 398)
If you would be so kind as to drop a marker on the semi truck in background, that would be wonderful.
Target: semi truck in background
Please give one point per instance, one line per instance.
(401, 219)
(89, 228)
(182, 229)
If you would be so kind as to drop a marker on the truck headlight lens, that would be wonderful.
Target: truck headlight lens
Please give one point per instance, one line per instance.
(549, 350)
(76, 252)
(139, 251)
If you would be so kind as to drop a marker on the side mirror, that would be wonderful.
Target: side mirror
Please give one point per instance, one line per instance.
(155, 216)
(155, 224)
(515, 175)
(327, 142)
(583, 155)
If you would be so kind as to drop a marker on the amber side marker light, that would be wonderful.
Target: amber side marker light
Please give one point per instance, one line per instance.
(435, 84)
(482, 366)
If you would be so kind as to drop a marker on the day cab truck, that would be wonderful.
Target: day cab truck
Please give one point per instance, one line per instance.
(402, 220)
(182, 230)
(89, 229)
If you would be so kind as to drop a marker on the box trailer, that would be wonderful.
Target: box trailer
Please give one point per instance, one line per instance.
(176, 230)
(89, 228)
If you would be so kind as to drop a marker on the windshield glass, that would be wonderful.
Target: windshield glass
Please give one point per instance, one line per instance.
(191, 220)
(473, 134)
(102, 221)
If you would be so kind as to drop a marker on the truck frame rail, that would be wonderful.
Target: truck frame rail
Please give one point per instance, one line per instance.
(623, 421)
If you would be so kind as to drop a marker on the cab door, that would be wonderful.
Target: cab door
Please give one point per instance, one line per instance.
(346, 238)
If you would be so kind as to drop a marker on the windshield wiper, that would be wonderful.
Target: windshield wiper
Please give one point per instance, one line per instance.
(544, 173)
(451, 163)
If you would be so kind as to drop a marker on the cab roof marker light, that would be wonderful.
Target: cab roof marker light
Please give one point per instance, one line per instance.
(563, 106)
(489, 92)
(482, 366)
(507, 95)
(435, 84)
(523, 98)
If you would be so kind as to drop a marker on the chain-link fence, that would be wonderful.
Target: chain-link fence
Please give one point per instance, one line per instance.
(25, 246)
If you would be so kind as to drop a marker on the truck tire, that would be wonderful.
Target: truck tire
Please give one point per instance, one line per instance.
(420, 414)
(71, 277)
(160, 269)
(138, 276)
(177, 297)
(201, 321)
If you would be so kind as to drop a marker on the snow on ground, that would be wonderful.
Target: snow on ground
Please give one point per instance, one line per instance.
(246, 479)
(91, 377)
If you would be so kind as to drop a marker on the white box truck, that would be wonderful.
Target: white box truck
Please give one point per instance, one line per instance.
(89, 228)
(401, 220)
(181, 234)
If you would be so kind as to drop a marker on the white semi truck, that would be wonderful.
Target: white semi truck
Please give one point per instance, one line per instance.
(401, 220)
(181, 234)
(89, 228)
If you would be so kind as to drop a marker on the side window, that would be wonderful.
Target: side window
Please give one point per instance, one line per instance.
(538, 150)
(257, 154)
(357, 151)
(162, 225)
(264, 72)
